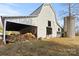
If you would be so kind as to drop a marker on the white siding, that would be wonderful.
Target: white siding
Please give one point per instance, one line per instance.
(27, 21)
(42, 21)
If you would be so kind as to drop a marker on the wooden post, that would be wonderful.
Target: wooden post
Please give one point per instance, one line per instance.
(4, 32)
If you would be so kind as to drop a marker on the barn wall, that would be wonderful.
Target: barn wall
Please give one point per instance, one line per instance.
(42, 21)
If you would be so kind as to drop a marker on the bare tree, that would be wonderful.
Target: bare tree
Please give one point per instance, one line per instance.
(71, 9)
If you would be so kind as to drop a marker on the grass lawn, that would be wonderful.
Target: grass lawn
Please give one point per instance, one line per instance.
(47, 47)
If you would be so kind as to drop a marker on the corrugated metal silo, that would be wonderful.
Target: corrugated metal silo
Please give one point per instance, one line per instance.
(69, 26)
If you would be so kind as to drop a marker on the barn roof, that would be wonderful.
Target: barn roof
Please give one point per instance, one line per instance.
(37, 11)
(19, 16)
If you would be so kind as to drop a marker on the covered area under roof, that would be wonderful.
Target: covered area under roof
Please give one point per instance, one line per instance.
(10, 26)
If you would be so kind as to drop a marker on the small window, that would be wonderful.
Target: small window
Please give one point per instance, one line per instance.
(58, 32)
(48, 30)
(58, 29)
(49, 23)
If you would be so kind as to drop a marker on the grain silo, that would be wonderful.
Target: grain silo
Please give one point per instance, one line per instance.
(69, 26)
(65, 26)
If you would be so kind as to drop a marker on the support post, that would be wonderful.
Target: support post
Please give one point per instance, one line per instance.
(4, 32)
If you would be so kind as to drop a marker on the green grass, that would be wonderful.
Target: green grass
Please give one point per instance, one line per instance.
(38, 48)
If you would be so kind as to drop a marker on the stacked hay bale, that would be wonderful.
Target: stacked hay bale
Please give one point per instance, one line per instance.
(26, 36)
(22, 37)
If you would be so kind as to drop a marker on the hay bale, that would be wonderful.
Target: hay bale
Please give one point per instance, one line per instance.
(29, 36)
(22, 37)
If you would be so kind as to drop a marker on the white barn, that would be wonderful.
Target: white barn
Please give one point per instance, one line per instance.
(42, 22)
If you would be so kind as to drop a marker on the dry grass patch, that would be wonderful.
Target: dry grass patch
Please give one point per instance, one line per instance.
(65, 41)
(51, 47)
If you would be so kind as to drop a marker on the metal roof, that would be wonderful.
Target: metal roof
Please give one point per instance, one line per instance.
(19, 16)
